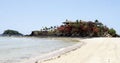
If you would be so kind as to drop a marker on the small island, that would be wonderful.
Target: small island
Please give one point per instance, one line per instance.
(78, 28)
(11, 33)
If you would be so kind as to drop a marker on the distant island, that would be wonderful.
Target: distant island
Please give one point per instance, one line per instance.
(11, 33)
(78, 28)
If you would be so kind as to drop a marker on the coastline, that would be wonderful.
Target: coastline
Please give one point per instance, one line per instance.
(95, 50)
(105, 49)
(56, 53)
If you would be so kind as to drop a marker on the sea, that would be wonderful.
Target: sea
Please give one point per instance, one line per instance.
(18, 49)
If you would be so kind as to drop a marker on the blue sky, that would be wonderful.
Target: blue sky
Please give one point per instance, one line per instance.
(27, 15)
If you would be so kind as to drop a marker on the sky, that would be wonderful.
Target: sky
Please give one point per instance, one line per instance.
(28, 15)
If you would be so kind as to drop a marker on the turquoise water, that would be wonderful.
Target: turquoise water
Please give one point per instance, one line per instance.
(14, 50)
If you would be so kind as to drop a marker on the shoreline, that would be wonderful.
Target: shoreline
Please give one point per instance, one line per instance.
(95, 50)
(56, 53)
(53, 56)
(67, 39)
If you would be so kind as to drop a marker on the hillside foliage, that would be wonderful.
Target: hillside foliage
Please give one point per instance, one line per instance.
(78, 28)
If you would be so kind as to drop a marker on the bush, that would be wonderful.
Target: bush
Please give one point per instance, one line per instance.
(112, 32)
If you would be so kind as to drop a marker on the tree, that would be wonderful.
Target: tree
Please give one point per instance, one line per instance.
(112, 32)
(77, 21)
(96, 21)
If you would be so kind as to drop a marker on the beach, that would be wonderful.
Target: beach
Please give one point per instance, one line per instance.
(94, 50)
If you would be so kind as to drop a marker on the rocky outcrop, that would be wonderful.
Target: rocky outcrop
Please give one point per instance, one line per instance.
(39, 33)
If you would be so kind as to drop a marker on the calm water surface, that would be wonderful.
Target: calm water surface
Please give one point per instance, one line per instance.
(14, 50)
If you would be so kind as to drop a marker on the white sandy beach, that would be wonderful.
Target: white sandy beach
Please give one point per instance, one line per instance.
(95, 50)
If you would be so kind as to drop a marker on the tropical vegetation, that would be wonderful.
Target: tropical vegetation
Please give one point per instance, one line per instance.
(78, 28)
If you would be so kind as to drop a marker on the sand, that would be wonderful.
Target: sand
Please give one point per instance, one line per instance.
(95, 50)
